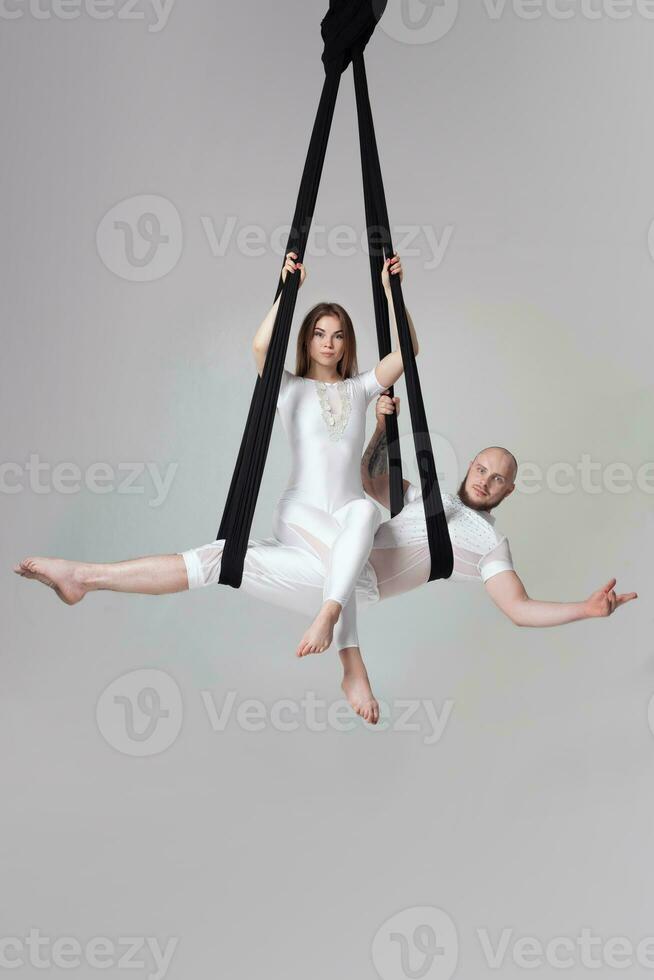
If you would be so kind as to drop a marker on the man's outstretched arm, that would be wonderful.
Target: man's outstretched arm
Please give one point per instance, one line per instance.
(509, 594)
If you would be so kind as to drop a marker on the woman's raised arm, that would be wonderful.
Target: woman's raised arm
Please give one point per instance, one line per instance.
(262, 337)
(390, 368)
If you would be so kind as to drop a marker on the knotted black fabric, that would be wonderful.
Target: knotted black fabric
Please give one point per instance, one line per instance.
(346, 29)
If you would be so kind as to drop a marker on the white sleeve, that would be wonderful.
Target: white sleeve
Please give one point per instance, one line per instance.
(412, 493)
(498, 559)
(370, 384)
(285, 384)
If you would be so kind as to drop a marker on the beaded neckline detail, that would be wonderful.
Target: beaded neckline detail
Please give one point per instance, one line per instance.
(335, 423)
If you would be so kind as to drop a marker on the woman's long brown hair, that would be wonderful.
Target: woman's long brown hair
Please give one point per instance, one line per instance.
(347, 366)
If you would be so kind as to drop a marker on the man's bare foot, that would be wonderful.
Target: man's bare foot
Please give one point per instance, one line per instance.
(65, 577)
(319, 636)
(356, 685)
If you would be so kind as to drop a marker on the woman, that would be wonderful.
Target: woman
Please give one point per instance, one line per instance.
(323, 511)
(290, 577)
(323, 410)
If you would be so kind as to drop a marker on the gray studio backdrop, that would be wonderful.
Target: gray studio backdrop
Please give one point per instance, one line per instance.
(171, 773)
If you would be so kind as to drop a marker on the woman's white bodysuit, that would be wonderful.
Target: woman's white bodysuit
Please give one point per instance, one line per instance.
(324, 500)
(294, 578)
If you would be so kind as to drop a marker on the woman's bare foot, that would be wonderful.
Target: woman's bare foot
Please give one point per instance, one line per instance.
(356, 686)
(65, 577)
(319, 636)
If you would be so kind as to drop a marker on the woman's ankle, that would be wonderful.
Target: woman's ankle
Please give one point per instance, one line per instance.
(333, 608)
(351, 660)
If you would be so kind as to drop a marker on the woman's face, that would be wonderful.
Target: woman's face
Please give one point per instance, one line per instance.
(327, 345)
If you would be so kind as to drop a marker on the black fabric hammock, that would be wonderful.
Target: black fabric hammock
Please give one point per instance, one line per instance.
(346, 29)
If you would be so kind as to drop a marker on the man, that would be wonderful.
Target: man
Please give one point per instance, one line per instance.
(293, 578)
(477, 552)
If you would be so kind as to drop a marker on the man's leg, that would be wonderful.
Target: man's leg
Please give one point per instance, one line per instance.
(278, 574)
(71, 580)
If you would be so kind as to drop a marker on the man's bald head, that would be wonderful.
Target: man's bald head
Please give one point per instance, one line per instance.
(490, 478)
(511, 457)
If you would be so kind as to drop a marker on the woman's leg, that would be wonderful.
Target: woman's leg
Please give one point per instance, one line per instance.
(342, 541)
(359, 520)
(356, 685)
(293, 577)
(313, 530)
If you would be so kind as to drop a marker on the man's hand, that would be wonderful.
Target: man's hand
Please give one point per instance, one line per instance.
(605, 601)
(384, 406)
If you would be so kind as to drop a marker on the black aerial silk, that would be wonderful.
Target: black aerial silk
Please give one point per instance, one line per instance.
(346, 29)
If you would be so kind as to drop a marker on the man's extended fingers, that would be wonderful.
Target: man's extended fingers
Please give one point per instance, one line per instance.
(626, 597)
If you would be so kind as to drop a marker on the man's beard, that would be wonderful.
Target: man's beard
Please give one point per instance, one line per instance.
(465, 497)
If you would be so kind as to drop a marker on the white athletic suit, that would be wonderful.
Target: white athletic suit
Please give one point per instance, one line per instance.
(324, 500)
(294, 577)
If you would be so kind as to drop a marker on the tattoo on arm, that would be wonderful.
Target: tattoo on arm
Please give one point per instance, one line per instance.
(377, 456)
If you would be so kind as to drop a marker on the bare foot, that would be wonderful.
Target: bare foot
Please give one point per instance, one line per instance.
(357, 690)
(319, 636)
(65, 577)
